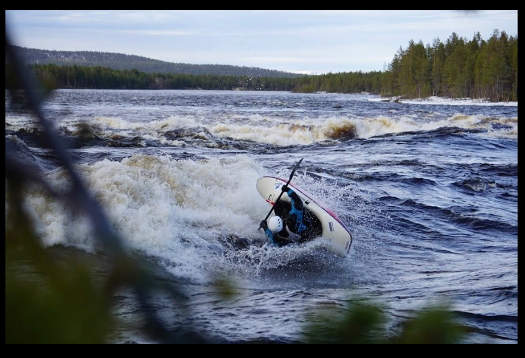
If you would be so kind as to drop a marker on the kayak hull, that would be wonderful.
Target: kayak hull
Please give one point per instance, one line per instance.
(333, 229)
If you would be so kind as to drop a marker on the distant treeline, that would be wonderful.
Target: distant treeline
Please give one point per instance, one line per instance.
(98, 77)
(343, 82)
(457, 68)
(105, 78)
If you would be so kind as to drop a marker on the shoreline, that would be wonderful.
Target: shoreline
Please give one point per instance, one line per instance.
(445, 101)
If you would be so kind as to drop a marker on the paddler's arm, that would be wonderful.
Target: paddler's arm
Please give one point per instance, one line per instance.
(296, 200)
(268, 232)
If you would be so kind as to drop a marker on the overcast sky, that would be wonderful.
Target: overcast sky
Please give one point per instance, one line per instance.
(307, 41)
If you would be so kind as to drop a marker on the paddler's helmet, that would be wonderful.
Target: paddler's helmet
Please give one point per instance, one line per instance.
(275, 224)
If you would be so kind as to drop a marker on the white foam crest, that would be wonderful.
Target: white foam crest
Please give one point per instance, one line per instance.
(510, 125)
(54, 222)
(173, 210)
(282, 134)
(256, 259)
(371, 127)
(308, 131)
(115, 123)
(445, 101)
(174, 122)
(102, 123)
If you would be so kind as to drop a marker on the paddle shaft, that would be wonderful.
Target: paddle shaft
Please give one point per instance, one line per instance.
(279, 197)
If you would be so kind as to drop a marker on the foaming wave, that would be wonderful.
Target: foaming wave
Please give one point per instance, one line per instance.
(344, 128)
(227, 131)
(176, 130)
(177, 212)
(296, 132)
(173, 210)
(257, 259)
(494, 126)
(497, 127)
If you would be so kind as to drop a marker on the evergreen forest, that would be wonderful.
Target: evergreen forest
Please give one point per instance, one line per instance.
(456, 68)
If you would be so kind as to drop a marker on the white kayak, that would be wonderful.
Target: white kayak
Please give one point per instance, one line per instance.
(332, 227)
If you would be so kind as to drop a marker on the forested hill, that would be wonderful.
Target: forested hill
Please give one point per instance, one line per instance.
(118, 61)
(456, 68)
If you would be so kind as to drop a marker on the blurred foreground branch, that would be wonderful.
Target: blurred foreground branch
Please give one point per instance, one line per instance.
(66, 306)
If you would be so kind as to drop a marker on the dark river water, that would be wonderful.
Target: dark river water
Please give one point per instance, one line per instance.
(428, 191)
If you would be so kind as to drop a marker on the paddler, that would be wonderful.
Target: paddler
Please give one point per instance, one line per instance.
(291, 223)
